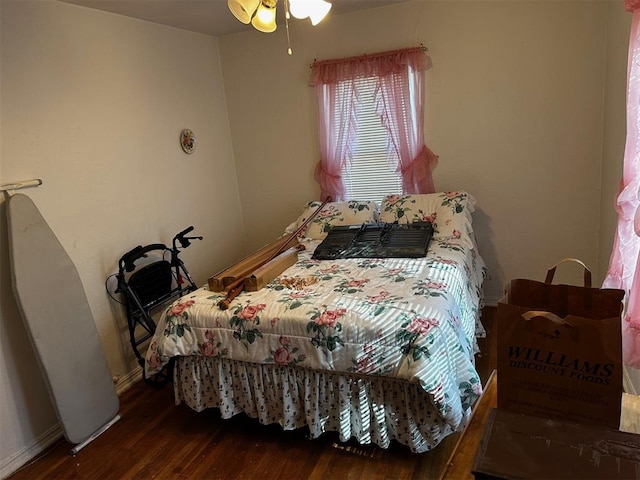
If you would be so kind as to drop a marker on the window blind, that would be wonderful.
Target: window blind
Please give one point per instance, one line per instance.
(369, 176)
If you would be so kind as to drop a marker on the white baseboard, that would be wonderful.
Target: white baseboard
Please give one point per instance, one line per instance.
(14, 462)
(491, 302)
(129, 380)
(628, 384)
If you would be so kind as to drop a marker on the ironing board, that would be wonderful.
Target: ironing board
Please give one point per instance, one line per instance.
(60, 325)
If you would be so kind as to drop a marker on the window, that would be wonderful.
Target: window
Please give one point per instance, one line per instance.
(370, 126)
(368, 176)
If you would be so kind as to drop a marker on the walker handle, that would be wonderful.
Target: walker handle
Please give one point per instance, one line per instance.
(185, 241)
(128, 259)
(184, 232)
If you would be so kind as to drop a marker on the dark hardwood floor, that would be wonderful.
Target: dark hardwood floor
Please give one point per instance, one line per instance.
(157, 440)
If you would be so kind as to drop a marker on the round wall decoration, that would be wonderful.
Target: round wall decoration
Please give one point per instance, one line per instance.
(187, 141)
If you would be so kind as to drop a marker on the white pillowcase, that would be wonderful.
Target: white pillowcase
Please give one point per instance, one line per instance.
(449, 212)
(353, 212)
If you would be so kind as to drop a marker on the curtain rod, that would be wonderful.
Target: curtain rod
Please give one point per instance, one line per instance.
(36, 182)
(369, 55)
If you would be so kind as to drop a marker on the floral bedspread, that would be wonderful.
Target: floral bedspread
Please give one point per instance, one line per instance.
(410, 319)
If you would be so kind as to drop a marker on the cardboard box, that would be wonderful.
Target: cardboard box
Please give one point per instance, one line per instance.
(519, 446)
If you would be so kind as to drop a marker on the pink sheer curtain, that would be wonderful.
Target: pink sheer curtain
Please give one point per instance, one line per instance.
(399, 100)
(399, 104)
(336, 131)
(624, 266)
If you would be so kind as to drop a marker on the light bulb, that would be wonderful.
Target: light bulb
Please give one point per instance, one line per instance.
(320, 8)
(266, 15)
(265, 18)
(299, 8)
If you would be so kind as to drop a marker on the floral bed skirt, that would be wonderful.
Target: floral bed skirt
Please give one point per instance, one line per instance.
(370, 409)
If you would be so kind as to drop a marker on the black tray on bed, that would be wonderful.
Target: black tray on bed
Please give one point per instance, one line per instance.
(376, 240)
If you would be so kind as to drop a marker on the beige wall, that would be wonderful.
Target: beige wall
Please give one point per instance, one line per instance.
(514, 108)
(93, 103)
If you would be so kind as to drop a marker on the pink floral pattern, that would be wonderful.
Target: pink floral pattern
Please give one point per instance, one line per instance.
(397, 274)
(243, 319)
(381, 297)
(376, 317)
(296, 298)
(286, 353)
(370, 362)
(325, 327)
(413, 328)
(153, 358)
(398, 206)
(180, 308)
(177, 315)
(211, 348)
(351, 285)
(448, 212)
(428, 288)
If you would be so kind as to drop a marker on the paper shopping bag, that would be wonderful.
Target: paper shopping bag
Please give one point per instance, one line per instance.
(560, 351)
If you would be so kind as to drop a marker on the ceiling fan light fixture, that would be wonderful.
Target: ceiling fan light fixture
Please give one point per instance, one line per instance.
(264, 19)
(243, 10)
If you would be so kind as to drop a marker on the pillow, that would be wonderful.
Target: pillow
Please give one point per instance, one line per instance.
(449, 212)
(353, 212)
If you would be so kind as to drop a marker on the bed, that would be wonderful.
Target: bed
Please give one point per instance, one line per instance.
(376, 349)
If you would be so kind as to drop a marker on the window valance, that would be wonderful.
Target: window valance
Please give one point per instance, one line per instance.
(374, 65)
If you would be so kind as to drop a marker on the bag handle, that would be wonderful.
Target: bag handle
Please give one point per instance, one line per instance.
(530, 315)
(574, 334)
(552, 271)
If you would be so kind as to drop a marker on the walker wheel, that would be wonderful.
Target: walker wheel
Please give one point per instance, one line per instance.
(161, 378)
